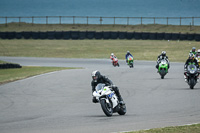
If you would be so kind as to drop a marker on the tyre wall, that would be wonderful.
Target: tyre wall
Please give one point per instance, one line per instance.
(76, 35)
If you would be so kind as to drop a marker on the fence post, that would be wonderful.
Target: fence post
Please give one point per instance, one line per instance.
(60, 19)
(141, 20)
(180, 21)
(73, 19)
(87, 20)
(46, 19)
(154, 20)
(32, 20)
(101, 20)
(167, 20)
(114, 20)
(127, 20)
(19, 20)
(6, 21)
(193, 21)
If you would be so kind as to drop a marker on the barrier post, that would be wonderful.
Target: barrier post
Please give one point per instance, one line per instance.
(127, 20)
(141, 20)
(60, 20)
(32, 20)
(180, 21)
(46, 19)
(19, 20)
(167, 21)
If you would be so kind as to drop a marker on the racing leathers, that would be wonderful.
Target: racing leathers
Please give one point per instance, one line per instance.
(108, 82)
(161, 57)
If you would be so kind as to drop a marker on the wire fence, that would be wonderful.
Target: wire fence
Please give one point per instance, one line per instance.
(194, 21)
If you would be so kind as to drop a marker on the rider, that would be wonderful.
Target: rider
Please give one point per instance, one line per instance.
(126, 56)
(190, 60)
(162, 56)
(193, 51)
(98, 78)
(198, 53)
(112, 56)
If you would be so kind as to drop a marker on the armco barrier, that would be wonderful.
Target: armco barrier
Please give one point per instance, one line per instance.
(99, 35)
(106, 35)
(122, 35)
(90, 34)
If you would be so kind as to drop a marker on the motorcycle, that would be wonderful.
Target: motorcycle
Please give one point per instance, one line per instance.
(115, 62)
(192, 73)
(163, 68)
(108, 100)
(130, 61)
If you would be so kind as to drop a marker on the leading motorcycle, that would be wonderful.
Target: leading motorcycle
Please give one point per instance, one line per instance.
(108, 100)
(163, 68)
(192, 73)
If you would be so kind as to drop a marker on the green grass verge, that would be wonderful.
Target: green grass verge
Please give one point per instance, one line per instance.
(195, 128)
(83, 27)
(177, 51)
(8, 75)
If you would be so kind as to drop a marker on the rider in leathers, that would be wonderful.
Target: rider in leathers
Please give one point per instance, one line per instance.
(190, 60)
(162, 56)
(98, 78)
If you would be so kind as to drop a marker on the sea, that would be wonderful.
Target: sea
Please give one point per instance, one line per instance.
(100, 11)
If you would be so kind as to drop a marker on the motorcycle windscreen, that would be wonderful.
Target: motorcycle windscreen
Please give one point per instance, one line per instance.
(99, 87)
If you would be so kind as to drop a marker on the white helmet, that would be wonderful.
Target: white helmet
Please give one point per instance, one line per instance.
(198, 50)
(112, 54)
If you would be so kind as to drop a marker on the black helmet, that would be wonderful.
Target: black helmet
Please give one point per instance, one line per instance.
(163, 53)
(96, 75)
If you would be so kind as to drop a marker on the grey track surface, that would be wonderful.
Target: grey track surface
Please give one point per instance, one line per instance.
(60, 102)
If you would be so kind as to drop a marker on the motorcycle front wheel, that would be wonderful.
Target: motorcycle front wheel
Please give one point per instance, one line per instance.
(106, 107)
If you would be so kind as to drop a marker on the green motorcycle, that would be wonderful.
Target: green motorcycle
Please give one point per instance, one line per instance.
(163, 68)
(130, 61)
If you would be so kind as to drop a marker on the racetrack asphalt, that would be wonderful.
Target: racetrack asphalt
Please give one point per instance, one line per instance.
(61, 101)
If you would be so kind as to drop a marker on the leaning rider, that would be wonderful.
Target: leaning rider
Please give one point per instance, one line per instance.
(161, 57)
(126, 56)
(98, 78)
(112, 56)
